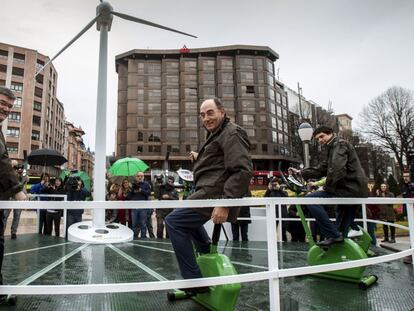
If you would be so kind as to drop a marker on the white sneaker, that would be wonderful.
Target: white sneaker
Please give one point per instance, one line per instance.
(354, 233)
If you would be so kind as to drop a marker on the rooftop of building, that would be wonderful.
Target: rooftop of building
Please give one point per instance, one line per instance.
(255, 50)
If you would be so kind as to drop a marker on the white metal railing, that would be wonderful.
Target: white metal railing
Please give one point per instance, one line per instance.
(273, 274)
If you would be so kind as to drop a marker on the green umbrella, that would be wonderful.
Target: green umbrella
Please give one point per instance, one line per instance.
(128, 167)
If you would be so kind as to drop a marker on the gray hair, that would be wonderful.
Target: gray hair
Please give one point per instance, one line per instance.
(7, 92)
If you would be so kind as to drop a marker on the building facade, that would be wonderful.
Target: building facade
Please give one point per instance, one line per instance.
(160, 91)
(37, 118)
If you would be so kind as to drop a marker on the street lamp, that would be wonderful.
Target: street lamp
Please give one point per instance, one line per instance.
(305, 133)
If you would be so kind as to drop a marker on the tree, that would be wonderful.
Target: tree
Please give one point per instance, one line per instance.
(388, 120)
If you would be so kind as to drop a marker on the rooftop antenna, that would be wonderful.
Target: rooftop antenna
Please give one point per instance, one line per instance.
(99, 233)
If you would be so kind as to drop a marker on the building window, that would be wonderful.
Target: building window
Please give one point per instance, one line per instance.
(208, 92)
(285, 127)
(172, 135)
(171, 80)
(228, 91)
(154, 95)
(36, 120)
(173, 122)
(248, 120)
(16, 86)
(38, 92)
(154, 148)
(13, 131)
(228, 105)
(269, 65)
(154, 67)
(190, 65)
(274, 136)
(190, 107)
(171, 66)
(173, 148)
(248, 105)
(272, 107)
(226, 63)
(12, 147)
(154, 81)
(172, 93)
(154, 108)
(227, 77)
(190, 134)
(263, 118)
(19, 58)
(154, 137)
(259, 64)
(279, 111)
(140, 149)
(18, 102)
(16, 71)
(172, 107)
(247, 90)
(208, 78)
(246, 77)
(250, 132)
(190, 79)
(246, 63)
(14, 117)
(278, 98)
(280, 137)
(140, 136)
(141, 67)
(154, 122)
(190, 92)
(274, 124)
(4, 54)
(208, 64)
(264, 148)
(190, 121)
(271, 93)
(3, 68)
(280, 125)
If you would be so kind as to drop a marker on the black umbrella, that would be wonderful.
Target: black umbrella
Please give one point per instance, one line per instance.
(46, 157)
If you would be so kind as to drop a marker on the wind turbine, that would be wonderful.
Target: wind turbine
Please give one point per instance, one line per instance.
(98, 232)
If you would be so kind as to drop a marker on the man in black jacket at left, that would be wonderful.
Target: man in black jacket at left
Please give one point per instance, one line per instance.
(9, 184)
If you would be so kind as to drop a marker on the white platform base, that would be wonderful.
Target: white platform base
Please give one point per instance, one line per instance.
(83, 232)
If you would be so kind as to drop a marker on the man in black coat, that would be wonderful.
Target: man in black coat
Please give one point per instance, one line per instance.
(344, 178)
(9, 184)
(222, 169)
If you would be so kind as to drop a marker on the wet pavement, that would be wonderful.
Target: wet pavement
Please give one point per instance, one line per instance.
(29, 260)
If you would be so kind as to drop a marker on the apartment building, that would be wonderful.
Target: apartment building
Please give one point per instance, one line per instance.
(37, 118)
(160, 91)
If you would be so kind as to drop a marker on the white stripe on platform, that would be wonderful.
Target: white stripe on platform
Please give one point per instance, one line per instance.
(51, 266)
(36, 249)
(138, 264)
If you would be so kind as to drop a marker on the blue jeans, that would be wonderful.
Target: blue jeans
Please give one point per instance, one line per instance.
(139, 221)
(327, 227)
(185, 226)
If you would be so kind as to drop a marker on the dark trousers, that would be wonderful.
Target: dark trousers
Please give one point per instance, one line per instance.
(327, 227)
(185, 227)
(72, 219)
(149, 223)
(161, 214)
(345, 218)
(42, 221)
(392, 229)
(243, 228)
(139, 222)
(1, 244)
(52, 219)
(372, 226)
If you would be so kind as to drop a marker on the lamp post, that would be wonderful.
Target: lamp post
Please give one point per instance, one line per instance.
(305, 133)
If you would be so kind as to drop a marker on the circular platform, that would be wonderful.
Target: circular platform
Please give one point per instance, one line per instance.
(84, 232)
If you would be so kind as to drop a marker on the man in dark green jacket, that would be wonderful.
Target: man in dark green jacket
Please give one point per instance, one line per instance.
(344, 178)
(9, 184)
(222, 169)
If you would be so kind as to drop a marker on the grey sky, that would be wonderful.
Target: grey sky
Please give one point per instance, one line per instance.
(344, 51)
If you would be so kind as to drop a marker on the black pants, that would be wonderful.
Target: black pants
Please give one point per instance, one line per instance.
(243, 230)
(392, 229)
(42, 221)
(52, 219)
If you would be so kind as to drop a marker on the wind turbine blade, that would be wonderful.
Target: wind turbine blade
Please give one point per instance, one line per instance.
(142, 21)
(85, 29)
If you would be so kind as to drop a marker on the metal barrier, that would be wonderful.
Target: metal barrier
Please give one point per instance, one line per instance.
(272, 275)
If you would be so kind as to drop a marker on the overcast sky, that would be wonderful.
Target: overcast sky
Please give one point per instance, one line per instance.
(347, 52)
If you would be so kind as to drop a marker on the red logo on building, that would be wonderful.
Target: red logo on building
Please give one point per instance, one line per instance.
(184, 49)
